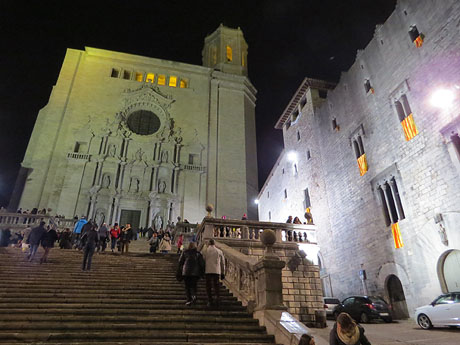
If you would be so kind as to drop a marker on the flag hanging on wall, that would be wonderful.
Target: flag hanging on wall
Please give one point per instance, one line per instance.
(408, 125)
(418, 41)
(362, 163)
(397, 235)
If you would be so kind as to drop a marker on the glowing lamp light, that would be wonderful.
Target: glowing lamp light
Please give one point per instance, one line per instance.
(256, 201)
(292, 156)
(442, 98)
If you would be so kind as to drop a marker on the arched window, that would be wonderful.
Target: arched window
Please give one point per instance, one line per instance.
(150, 78)
(229, 54)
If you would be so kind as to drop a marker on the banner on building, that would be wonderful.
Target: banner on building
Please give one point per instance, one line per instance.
(362, 163)
(408, 125)
(397, 235)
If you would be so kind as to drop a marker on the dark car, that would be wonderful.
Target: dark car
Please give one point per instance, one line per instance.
(364, 308)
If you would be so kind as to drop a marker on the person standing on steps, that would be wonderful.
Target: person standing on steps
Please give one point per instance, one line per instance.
(35, 238)
(165, 244)
(103, 233)
(90, 238)
(77, 231)
(215, 268)
(191, 268)
(114, 234)
(125, 238)
(48, 240)
(347, 332)
(153, 242)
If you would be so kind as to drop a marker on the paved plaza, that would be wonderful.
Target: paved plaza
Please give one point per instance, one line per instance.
(399, 333)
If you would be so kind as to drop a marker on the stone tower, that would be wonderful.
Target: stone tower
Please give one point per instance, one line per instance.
(226, 50)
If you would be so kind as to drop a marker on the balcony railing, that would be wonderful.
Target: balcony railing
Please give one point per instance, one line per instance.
(19, 221)
(251, 230)
(79, 156)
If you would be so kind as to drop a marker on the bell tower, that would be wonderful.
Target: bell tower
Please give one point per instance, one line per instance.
(226, 50)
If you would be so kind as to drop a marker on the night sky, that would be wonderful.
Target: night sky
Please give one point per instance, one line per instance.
(288, 40)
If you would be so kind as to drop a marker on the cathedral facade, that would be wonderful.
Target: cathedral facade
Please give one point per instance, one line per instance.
(126, 138)
(376, 161)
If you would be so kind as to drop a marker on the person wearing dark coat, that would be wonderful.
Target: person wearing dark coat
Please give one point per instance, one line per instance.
(125, 238)
(48, 240)
(347, 332)
(103, 235)
(65, 241)
(191, 268)
(35, 238)
(90, 238)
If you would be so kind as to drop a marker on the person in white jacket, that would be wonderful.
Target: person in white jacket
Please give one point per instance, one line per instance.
(215, 268)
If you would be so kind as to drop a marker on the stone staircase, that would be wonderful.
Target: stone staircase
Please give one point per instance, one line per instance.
(133, 299)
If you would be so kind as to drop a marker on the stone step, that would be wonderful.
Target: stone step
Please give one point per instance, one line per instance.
(116, 311)
(15, 326)
(155, 336)
(137, 342)
(123, 318)
(138, 306)
(133, 291)
(105, 297)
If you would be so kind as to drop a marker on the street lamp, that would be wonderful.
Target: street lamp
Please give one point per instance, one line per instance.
(442, 98)
(292, 156)
(256, 201)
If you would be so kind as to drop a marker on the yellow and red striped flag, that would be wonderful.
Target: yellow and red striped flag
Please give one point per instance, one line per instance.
(408, 125)
(418, 41)
(362, 163)
(397, 235)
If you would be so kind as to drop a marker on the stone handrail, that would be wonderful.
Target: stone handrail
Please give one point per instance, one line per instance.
(251, 230)
(20, 221)
(182, 227)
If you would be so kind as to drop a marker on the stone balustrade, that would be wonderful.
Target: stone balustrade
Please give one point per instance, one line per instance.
(293, 244)
(19, 221)
(251, 230)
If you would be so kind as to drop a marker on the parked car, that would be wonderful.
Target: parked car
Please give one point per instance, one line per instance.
(443, 311)
(329, 304)
(364, 308)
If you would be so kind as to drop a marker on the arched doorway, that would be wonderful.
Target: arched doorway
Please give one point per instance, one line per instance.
(397, 297)
(451, 271)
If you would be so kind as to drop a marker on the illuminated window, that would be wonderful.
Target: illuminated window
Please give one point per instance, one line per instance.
(139, 76)
(173, 81)
(229, 54)
(126, 75)
(150, 78)
(183, 83)
(115, 73)
(161, 79)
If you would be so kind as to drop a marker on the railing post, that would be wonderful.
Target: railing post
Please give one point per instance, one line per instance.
(269, 288)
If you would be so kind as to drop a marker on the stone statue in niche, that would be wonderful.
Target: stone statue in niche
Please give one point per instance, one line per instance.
(100, 217)
(161, 186)
(106, 181)
(134, 185)
(158, 222)
(164, 156)
(112, 150)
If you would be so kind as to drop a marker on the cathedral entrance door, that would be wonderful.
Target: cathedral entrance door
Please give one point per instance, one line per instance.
(397, 297)
(132, 217)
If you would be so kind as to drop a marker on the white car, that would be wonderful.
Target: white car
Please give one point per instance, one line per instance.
(443, 311)
(329, 304)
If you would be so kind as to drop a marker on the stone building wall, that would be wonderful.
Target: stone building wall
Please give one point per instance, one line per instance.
(347, 207)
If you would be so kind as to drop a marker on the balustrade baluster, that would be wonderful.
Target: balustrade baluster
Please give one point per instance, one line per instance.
(295, 236)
